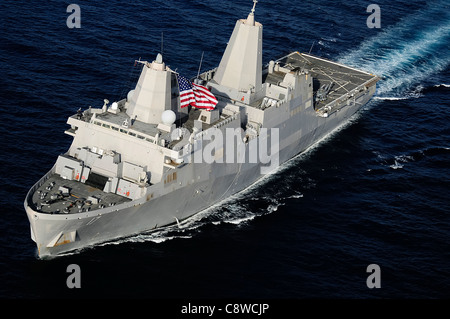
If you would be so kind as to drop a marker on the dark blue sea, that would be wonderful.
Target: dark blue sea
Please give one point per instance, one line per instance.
(377, 191)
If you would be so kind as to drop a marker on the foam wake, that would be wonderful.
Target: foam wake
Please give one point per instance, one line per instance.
(408, 53)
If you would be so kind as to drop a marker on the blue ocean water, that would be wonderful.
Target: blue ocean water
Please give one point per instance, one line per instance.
(375, 192)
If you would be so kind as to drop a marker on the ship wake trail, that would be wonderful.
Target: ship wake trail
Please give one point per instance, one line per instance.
(408, 53)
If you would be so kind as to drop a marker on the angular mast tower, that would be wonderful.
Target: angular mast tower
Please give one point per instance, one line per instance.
(152, 95)
(241, 64)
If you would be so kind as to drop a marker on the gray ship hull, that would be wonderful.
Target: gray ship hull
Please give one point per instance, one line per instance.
(199, 189)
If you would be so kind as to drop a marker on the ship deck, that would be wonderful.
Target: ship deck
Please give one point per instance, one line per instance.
(343, 79)
(61, 196)
(136, 128)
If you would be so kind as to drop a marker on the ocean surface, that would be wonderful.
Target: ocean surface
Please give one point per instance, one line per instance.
(377, 191)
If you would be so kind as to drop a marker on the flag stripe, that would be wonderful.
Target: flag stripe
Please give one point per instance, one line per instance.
(196, 95)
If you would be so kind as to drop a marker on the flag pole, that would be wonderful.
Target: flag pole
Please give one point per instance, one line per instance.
(162, 43)
(200, 66)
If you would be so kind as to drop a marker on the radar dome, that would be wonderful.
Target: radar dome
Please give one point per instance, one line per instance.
(168, 117)
(130, 95)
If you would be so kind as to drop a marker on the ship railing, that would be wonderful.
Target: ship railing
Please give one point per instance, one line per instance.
(39, 183)
(207, 75)
(346, 99)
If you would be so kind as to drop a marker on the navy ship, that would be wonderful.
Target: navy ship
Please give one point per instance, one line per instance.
(176, 146)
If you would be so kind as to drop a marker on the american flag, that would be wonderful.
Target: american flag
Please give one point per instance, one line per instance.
(195, 95)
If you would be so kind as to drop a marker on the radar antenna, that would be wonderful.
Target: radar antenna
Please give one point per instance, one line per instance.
(162, 43)
(254, 5)
(251, 15)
